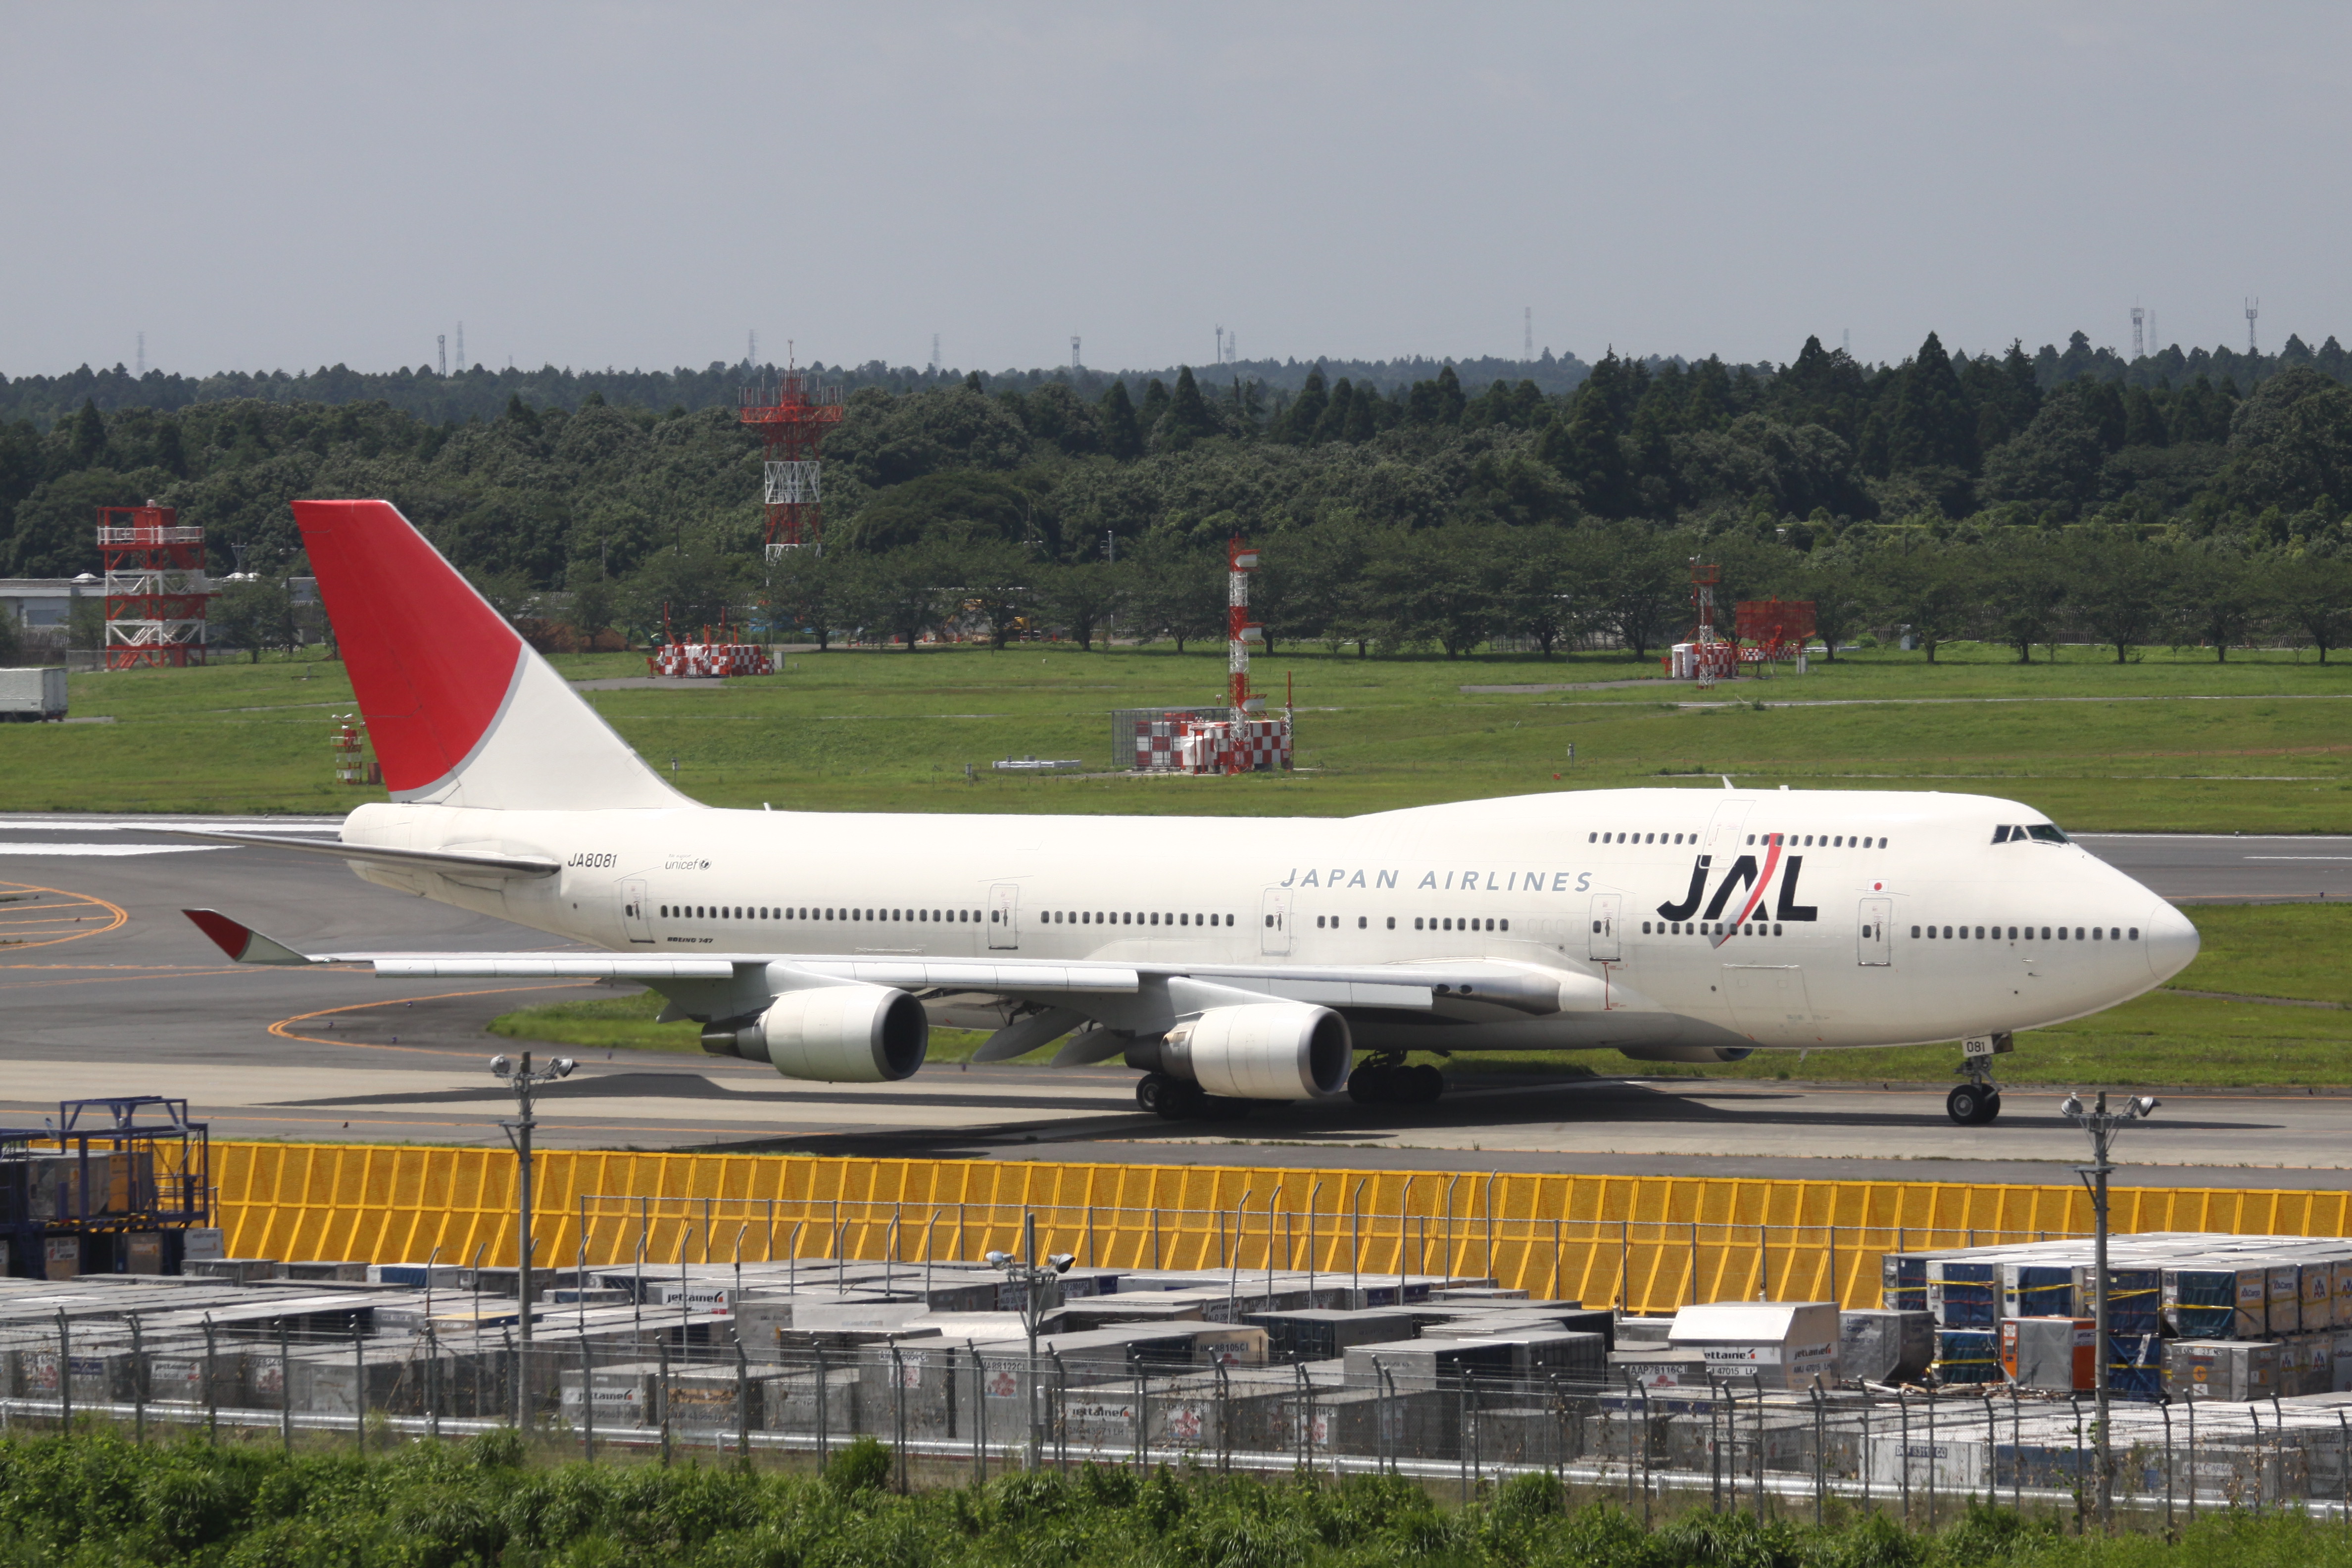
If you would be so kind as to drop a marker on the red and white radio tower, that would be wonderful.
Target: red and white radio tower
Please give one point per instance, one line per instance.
(791, 417)
(155, 587)
(1241, 560)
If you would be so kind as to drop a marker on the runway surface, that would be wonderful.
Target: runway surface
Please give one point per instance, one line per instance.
(106, 990)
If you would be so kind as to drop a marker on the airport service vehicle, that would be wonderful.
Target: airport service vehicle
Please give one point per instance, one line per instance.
(1229, 960)
(28, 696)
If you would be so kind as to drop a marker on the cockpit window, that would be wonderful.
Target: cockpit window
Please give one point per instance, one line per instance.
(2047, 833)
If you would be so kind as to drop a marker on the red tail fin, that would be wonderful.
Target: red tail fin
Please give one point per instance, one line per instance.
(430, 661)
(440, 677)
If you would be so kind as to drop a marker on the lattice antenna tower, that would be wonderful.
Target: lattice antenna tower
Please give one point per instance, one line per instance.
(2253, 309)
(441, 351)
(1076, 362)
(751, 347)
(156, 589)
(1221, 345)
(2139, 345)
(935, 353)
(791, 416)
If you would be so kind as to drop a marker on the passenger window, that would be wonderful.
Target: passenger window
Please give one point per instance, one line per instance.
(1590, 837)
(1416, 923)
(1392, 922)
(2078, 933)
(2135, 933)
(2062, 933)
(1914, 932)
(1507, 925)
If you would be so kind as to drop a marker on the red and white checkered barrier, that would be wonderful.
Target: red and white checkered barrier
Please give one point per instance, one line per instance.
(1223, 747)
(696, 660)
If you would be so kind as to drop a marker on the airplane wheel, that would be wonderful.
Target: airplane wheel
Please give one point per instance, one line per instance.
(1151, 1092)
(1966, 1104)
(1370, 1085)
(1223, 1107)
(1423, 1085)
(1991, 1110)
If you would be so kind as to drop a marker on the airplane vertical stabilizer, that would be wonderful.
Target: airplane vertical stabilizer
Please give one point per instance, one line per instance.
(461, 710)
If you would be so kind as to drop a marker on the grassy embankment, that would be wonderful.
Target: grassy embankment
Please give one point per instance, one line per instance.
(99, 1499)
(2287, 952)
(2171, 743)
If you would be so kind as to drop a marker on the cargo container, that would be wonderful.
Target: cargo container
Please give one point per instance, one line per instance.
(1782, 1344)
(2053, 1355)
(1879, 1346)
(2230, 1369)
(1324, 1334)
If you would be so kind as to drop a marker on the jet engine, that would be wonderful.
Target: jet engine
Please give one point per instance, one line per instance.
(1687, 1053)
(1271, 1050)
(831, 1034)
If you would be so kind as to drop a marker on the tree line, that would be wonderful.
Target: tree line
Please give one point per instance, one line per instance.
(1429, 513)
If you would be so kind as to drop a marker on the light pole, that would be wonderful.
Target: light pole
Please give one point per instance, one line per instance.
(524, 1080)
(2102, 1125)
(1032, 1277)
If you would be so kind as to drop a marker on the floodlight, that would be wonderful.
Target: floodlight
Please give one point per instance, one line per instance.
(1061, 1261)
(2072, 1106)
(500, 1067)
(2144, 1105)
(998, 1259)
(563, 1066)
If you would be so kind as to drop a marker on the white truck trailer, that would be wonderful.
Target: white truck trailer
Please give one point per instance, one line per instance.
(28, 695)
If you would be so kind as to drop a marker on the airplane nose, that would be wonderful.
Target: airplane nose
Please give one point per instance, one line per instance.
(2172, 942)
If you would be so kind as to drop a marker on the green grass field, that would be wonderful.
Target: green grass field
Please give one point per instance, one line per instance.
(2169, 742)
(2283, 952)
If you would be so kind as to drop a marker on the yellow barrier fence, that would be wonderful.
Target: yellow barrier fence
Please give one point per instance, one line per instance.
(1650, 1243)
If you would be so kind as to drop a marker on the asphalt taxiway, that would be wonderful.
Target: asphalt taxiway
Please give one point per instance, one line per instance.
(105, 989)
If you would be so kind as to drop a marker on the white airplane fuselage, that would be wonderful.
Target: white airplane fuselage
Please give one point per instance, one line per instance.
(1817, 918)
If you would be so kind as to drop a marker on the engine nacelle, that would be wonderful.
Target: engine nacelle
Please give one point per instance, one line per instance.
(1273, 1051)
(1687, 1053)
(831, 1033)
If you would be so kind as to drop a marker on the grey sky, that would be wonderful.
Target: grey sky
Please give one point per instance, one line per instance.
(259, 186)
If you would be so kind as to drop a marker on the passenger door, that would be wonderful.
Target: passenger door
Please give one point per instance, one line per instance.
(1873, 935)
(1273, 921)
(634, 920)
(1003, 908)
(1606, 907)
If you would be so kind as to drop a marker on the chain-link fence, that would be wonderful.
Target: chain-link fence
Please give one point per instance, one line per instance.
(649, 1381)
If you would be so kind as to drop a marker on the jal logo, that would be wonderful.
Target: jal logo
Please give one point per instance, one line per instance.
(1743, 888)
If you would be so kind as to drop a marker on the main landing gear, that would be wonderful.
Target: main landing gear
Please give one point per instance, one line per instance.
(1387, 1081)
(1178, 1100)
(1973, 1104)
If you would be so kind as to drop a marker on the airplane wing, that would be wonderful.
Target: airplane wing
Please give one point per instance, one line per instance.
(1408, 986)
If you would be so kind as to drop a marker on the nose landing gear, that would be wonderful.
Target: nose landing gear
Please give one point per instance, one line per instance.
(1977, 1101)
